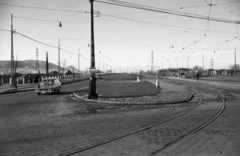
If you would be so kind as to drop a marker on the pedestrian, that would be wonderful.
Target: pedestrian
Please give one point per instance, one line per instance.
(157, 84)
(92, 88)
(197, 76)
(30, 79)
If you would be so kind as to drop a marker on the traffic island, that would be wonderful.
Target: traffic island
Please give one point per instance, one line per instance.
(137, 93)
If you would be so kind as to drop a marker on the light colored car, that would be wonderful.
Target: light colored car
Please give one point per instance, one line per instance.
(49, 85)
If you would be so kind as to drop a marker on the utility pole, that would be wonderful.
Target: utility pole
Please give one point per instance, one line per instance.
(92, 56)
(152, 68)
(59, 57)
(78, 62)
(103, 66)
(46, 62)
(235, 66)
(12, 52)
(212, 63)
(203, 62)
(37, 63)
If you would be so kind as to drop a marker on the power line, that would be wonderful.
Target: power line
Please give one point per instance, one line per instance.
(159, 10)
(5, 30)
(42, 8)
(36, 40)
(48, 44)
(36, 19)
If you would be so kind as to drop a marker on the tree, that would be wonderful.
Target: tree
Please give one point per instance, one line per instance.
(197, 68)
(16, 64)
(63, 67)
(232, 67)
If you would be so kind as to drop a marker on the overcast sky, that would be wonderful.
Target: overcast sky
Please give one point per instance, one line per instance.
(124, 37)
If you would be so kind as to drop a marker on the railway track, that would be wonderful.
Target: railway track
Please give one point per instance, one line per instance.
(169, 125)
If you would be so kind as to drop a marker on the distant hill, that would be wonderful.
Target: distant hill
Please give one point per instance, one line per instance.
(29, 66)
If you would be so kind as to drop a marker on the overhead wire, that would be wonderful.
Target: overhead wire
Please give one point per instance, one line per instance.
(42, 8)
(34, 19)
(5, 30)
(48, 44)
(141, 7)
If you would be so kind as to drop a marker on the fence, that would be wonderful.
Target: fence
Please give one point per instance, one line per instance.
(24, 79)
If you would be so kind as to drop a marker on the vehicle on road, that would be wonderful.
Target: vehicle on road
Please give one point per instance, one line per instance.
(49, 85)
(99, 76)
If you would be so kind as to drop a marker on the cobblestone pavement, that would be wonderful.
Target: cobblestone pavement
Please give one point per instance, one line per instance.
(61, 124)
(146, 142)
(167, 95)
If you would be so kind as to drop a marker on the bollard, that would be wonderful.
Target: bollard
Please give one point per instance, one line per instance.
(23, 80)
(138, 80)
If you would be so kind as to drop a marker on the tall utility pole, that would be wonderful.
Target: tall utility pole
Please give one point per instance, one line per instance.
(12, 52)
(235, 66)
(152, 67)
(37, 63)
(103, 66)
(59, 57)
(46, 62)
(203, 62)
(212, 63)
(92, 56)
(78, 62)
(99, 61)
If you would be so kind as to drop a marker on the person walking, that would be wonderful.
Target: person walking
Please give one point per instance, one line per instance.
(157, 84)
(197, 75)
(92, 88)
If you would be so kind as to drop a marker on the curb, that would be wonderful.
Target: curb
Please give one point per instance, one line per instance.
(133, 102)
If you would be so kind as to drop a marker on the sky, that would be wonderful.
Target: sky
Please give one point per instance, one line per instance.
(126, 38)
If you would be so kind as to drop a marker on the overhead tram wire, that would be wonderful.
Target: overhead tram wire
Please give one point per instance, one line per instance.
(206, 29)
(155, 8)
(151, 23)
(167, 10)
(171, 12)
(114, 17)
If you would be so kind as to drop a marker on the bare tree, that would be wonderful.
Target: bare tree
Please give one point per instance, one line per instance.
(16, 64)
(73, 69)
(198, 68)
(232, 67)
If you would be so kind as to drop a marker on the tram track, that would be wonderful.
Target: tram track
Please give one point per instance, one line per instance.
(195, 130)
(152, 122)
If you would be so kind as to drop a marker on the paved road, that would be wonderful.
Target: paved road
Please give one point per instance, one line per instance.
(57, 124)
(25, 118)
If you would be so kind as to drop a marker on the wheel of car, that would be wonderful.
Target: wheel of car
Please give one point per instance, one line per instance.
(38, 93)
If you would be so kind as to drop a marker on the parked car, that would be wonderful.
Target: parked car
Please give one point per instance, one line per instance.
(99, 76)
(49, 85)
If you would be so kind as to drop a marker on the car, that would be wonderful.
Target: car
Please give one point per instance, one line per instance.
(48, 85)
(99, 76)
